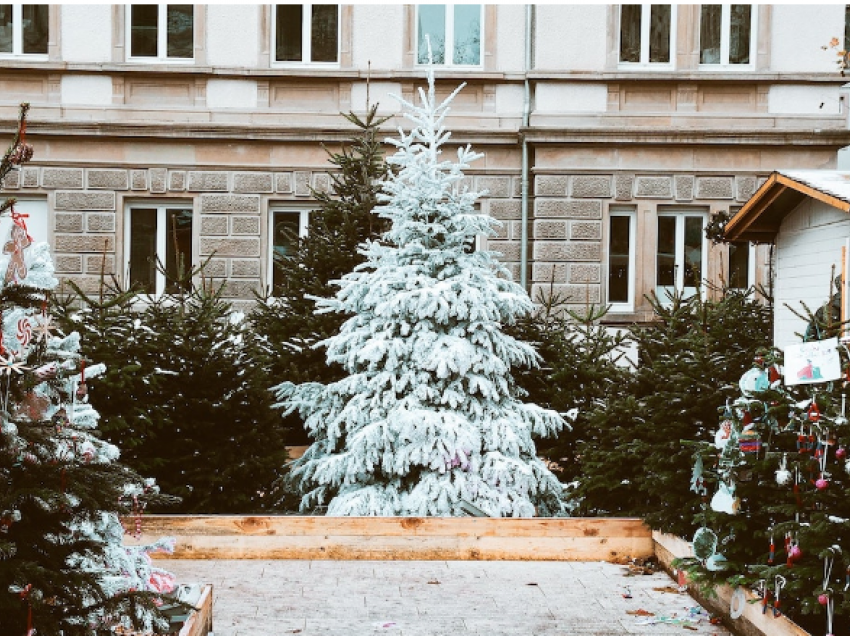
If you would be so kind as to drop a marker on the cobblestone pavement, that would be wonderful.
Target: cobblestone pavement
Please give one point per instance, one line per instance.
(440, 598)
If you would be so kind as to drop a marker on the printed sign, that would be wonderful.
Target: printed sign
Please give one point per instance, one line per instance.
(812, 362)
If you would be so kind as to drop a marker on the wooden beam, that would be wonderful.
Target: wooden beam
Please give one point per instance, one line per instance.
(399, 538)
(755, 207)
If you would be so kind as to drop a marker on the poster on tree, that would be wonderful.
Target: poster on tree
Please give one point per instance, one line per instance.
(812, 362)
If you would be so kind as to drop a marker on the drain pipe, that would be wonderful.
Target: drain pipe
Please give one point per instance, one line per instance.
(526, 118)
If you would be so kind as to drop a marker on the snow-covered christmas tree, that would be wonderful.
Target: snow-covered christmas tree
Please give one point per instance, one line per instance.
(63, 567)
(429, 415)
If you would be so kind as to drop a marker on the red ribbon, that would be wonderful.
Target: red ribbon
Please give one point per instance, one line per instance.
(18, 219)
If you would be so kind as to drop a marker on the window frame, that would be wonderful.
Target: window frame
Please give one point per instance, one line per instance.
(680, 213)
(161, 38)
(645, 24)
(306, 40)
(630, 212)
(751, 265)
(18, 37)
(303, 210)
(161, 206)
(725, 38)
(450, 26)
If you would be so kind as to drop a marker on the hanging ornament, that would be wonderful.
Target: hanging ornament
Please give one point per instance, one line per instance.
(813, 413)
(697, 480)
(721, 438)
(82, 389)
(724, 500)
(704, 543)
(774, 373)
(47, 371)
(772, 552)
(840, 453)
(24, 332)
(44, 328)
(783, 475)
(18, 241)
(779, 583)
(822, 484)
(749, 441)
(9, 363)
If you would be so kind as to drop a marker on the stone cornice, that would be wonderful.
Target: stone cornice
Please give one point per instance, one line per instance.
(699, 137)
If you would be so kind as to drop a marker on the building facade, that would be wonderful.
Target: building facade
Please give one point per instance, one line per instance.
(611, 133)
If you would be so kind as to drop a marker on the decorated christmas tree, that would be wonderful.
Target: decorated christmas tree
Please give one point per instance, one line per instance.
(428, 415)
(63, 567)
(773, 483)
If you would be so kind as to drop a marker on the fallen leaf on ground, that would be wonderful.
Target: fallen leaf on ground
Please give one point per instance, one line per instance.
(640, 612)
(669, 589)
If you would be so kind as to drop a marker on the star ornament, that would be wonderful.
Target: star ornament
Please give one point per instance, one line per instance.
(9, 363)
(44, 328)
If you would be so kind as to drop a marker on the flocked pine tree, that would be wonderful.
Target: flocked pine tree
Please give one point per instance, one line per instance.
(63, 567)
(429, 414)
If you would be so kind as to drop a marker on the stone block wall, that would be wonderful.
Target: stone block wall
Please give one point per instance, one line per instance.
(567, 235)
(87, 208)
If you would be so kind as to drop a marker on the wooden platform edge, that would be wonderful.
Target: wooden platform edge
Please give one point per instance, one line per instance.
(400, 538)
(751, 623)
(200, 621)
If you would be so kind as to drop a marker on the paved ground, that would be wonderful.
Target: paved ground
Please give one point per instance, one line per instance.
(440, 598)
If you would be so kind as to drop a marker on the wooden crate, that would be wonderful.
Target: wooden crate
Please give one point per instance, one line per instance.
(200, 621)
(399, 538)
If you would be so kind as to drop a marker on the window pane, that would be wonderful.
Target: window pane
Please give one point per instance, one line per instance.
(181, 31)
(659, 33)
(739, 34)
(665, 264)
(693, 251)
(709, 34)
(467, 49)
(288, 33)
(432, 22)
(35, 28)
(5, 28)
(630, 33)
(739, 265)
(618, 260)
(323, 33)
(143, 250)
(847, 27)
(143, 33)
(178, 249)
(285, 230)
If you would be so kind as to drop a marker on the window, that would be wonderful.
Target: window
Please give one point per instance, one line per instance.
(454, 31)
(647, 33)
(160, 248)
(741, 265)
(725, 34)
(23, 29)
(621, 258)
(286, 227)
(681, 255)
(306, 33)
(163, 32)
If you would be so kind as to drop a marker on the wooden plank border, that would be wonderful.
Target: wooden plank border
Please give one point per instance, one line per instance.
(200, 621)
(752, 622)
(399, 538)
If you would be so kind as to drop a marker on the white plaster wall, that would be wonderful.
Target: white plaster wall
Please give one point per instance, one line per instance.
(233, 32)
(86, 32)
(89, 90)
(509, 99)
(229, 93)
(788, 99)
(571, 37)
(380, 93)
(798, 33)
(571, 97)
(510, 38)
(378, 36)
(809, 244)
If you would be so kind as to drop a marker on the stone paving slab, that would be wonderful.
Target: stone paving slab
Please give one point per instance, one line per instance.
(440, 598)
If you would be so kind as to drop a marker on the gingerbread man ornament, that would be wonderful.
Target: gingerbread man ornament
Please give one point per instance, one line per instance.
(19, 241)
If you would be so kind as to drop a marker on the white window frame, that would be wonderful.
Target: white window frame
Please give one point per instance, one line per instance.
(37, 219)
(303, 212)
(679, 258)
(726, 36)
(18, 36)
(645, 22)
(306, 40)
(161, 206)
(450, 39)
(629, 211)
(161, 37)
